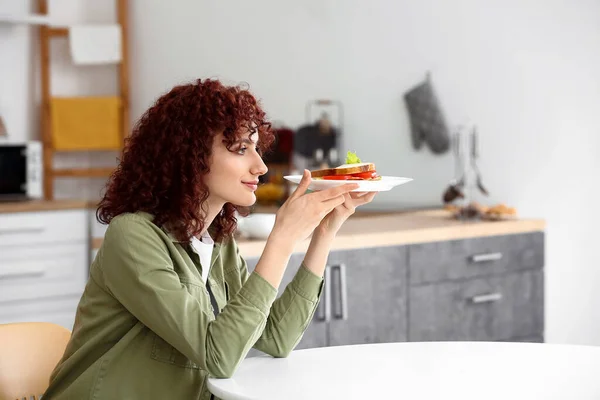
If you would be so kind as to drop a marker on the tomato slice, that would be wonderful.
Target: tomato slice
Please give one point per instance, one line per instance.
(366, 175)
(356, 176)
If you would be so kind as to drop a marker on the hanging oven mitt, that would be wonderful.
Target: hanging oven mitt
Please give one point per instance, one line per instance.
(427, 120)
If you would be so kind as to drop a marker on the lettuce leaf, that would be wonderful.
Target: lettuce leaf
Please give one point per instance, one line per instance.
(352, 158)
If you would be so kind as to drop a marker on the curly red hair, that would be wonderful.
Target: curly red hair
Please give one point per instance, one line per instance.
(167, 155)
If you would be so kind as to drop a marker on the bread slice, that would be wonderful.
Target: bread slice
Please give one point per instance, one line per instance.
(343, 170)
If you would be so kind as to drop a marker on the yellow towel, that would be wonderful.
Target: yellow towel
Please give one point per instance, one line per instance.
(86, 123)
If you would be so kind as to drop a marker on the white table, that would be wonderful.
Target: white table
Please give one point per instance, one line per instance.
(434, 370)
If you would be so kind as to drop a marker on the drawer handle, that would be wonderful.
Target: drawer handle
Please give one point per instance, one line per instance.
(19, 272)
(324, 307)
(21, 231)
(477, 258)
(486, 298)
(342, 304)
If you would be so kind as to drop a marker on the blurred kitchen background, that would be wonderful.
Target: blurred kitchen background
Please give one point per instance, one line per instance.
(337, 75)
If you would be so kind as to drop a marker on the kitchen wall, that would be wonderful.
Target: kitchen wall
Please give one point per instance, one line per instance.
(527, 72)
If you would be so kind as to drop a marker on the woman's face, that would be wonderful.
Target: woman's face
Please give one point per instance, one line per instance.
(234, 172)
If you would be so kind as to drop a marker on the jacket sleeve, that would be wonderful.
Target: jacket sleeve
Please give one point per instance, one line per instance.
(139, 273)
(290, 314)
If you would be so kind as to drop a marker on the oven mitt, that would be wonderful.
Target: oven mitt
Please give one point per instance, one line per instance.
(427, 121)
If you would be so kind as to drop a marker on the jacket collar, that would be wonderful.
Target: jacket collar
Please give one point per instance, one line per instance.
(165, 229)
(211, 232)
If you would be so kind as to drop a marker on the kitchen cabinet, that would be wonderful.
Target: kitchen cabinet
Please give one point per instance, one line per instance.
(490, 308)
(483, 288)
(418, 276)
(368, 295)
(363, 299)
(487, 288)
(475, 257)
(44, 258)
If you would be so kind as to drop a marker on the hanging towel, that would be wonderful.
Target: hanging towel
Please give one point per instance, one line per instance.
(95, 44)
(86, 123)
(427, 120)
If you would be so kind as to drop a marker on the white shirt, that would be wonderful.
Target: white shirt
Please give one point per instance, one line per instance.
(204, 249)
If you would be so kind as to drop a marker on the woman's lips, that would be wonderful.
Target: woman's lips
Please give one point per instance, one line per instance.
(251, 185)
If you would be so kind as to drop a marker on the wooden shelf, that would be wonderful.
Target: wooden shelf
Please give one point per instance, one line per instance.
(47, 32)
(30, 19)
(58, 31)
(83, 172)
(44, 205)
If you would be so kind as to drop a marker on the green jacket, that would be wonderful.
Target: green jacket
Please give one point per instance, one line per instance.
(145, 327)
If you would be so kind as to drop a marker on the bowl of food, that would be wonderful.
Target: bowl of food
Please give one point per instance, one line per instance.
(256, 226)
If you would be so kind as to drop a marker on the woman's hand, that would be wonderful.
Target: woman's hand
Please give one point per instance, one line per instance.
(334, 220)
(298, 217)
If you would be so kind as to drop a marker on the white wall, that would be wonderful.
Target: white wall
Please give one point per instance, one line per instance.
(527, 72)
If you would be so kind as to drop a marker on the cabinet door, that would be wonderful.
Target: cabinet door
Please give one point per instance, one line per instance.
(42, 271)
(59, 310)
(474, 258)
(368, 299)
(316, 333)
(490, 308)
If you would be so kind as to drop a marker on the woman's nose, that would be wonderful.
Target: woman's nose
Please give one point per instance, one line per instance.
(260, 168)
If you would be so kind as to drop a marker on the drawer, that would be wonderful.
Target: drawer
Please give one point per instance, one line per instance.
(477, 257)
(34, 272)
(490, 308)
(43, 227)
(59, 310)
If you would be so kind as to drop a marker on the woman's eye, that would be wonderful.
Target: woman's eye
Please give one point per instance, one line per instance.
(242, 150)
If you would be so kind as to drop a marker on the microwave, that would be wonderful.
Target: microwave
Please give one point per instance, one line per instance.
(21, 172)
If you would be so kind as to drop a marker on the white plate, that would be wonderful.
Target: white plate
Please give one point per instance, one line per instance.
(384, 184)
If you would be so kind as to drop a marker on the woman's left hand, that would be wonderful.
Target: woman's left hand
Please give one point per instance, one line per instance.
(336, 218)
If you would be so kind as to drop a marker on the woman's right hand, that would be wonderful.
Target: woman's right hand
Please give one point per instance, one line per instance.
(301, 213)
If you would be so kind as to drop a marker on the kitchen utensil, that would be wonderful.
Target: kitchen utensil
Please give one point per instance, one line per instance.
(455, 189)
(317, 143)
(2, 128)
(474, 156)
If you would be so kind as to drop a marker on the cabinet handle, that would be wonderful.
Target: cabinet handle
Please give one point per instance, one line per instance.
(324, 307)
(343, 293)
(477, 258)
(487, 298)
(21, 272)
(21, 230)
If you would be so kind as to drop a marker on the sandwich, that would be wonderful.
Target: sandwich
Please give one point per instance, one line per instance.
(354, 169)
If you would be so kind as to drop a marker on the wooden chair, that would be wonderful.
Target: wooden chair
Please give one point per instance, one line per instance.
(29, 351)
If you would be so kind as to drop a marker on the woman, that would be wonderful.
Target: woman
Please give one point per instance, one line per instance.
(169, 300)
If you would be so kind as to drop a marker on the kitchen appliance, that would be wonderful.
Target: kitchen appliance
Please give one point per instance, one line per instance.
(317, 144)
(21, 173)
